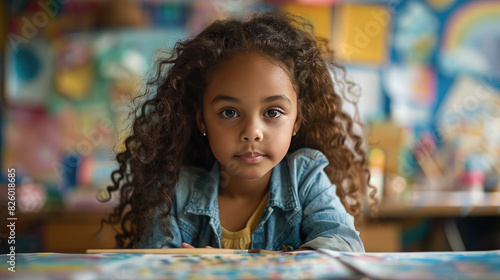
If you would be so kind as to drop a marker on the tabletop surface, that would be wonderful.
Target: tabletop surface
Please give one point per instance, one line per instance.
(321, 264)
(442, 204)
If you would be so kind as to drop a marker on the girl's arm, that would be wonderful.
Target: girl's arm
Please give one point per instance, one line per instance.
(155, 237)
(325, 222)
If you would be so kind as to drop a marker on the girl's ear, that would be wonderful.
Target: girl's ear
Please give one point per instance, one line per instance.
(298, 122)
(200, 122)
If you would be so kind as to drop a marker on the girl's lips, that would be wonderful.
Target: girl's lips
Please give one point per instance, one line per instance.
(249, 154)
(251, 157)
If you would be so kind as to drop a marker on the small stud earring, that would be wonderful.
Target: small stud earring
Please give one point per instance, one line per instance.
(295, 133)
(204, 133)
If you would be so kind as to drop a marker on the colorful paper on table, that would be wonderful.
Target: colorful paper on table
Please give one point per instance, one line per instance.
(303, 265)
(321, 264)
(361, 33)
(425, 265)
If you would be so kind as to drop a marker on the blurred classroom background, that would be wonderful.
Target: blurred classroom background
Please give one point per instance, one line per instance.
(428, 73)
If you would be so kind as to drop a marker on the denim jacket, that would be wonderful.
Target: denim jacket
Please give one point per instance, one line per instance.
(303, 210)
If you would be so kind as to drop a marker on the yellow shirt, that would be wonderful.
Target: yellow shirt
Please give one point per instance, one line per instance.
(242, 239)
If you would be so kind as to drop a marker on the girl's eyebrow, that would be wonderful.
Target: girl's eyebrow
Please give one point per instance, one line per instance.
(277, 98)
(220, 98)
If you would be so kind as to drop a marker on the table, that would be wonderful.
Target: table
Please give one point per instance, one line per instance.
(321, 264)
(74, 230)
(442, 204)
(445, 207)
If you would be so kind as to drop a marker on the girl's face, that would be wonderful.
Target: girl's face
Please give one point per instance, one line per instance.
(249, 115)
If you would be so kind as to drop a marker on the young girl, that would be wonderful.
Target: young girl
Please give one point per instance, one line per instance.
(242, 143)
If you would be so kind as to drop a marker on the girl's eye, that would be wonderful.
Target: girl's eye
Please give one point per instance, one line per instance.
(229, 114)
(273, 113)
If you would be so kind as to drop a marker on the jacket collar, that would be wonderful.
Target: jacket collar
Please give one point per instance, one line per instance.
(203, 200)
(283, 194)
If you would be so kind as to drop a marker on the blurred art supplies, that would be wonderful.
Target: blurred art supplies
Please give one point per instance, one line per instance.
(467, 123)
(424, 152)
(122, 67)
(74, 73)
(95, 172)
(472, 176)
(377, 166)
(395, 187)
(412, 90)
(31, 196)
(469, 105)
(32, 143)
(28, 73)
(389, 138)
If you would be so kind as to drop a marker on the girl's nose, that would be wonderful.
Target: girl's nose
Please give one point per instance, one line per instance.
(252, 132)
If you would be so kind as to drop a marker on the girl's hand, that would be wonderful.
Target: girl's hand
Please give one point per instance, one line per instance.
(285, 249)
(301, 249)
(185, 245)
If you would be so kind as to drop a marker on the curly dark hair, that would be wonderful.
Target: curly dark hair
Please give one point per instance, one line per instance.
(165, 135)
